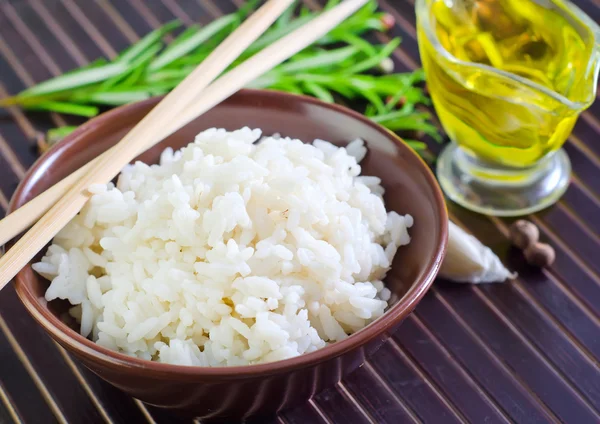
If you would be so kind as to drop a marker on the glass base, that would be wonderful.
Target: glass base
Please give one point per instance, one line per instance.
(491, 189)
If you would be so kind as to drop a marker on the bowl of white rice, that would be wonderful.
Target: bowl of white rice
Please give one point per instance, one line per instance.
(250, 260)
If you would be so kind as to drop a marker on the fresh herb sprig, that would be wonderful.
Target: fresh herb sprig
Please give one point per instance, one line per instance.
(342, 66)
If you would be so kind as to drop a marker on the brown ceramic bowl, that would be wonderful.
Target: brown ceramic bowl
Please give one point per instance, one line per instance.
(257, 389)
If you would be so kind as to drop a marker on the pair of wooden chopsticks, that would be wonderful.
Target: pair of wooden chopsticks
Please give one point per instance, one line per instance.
(190, 99)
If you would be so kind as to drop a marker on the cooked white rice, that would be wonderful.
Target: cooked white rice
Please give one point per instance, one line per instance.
(229, 252)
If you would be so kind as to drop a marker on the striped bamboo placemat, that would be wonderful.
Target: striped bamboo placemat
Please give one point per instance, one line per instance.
(523, 352)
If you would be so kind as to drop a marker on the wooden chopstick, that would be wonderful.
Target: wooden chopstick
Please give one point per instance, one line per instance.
(105, 167)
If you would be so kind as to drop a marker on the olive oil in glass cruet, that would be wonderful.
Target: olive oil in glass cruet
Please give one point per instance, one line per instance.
(508, 79)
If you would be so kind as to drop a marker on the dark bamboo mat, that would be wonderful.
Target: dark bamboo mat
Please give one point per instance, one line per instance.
(523, 352)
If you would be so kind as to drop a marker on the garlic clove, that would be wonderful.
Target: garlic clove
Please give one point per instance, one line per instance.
(469, 261)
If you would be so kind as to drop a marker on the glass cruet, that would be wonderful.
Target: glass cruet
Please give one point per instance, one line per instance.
(506, 130)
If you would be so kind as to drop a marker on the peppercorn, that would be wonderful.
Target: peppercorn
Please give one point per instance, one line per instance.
(524, 233)
(540, 254)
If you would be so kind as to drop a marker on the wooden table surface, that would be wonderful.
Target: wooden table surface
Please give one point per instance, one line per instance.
(523, 352)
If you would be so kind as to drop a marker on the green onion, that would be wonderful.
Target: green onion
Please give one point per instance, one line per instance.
(286, 17)
(320, 60)
(275, 34)
(76, 79)
(145, 43)
(114, 98)
(69, 108)
(57, 134)
(318, 91)
(374, 60)
(191, 43)
(415, 144)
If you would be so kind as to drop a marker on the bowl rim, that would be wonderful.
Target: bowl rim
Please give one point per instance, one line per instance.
(116, 360)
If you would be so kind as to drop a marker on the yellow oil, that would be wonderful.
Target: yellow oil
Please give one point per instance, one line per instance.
(493, 115)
